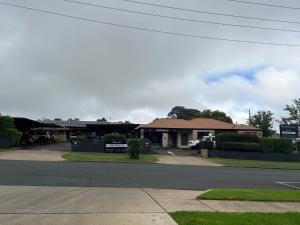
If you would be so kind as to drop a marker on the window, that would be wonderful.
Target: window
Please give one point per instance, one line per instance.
(184, 138)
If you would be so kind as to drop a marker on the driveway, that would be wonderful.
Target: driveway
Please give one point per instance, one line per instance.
(185, 160)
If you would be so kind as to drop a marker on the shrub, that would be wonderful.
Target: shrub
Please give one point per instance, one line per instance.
(240, 146)
(135, 146)
(12, 135)
(114, 137)
(283, 145)
(266, 145)
(235, 137)
(6, 122)
(205, 145)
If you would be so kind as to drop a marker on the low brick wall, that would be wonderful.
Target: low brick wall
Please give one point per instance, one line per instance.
(279, 157)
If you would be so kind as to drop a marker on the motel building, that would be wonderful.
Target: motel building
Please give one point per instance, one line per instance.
(175, 133)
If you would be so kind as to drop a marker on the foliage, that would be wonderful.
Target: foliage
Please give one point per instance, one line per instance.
(12, 135)
(294, 113)
(264, 121)
(102, 120)
(114, 137)
(217, 115)
(209, 145)
(180, 112)
(240, 146)
(283, 145)
(235, 137)
(266, 144)
(8, 132)
(135, 147)
(6, 122)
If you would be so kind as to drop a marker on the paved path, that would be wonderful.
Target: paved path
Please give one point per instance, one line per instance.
(91, 174)
(26, 205)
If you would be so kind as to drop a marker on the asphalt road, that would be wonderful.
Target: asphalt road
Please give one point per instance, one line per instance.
(90, 174)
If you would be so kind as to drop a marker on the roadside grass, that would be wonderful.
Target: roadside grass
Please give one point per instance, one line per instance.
(219, 218)
(257, 164)
(252, 195)
(107, 157)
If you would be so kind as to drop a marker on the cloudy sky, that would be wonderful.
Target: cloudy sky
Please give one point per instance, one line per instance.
(52, 66)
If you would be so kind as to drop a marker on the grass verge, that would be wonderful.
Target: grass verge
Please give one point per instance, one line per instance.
(257, 164)
(218, 218)
(107, 157)
(252, 195)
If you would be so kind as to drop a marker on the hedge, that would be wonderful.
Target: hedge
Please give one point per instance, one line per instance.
(276, 145)
(6, 122)
(205, 145)
(235, 137)
(12, 135)
(240, 146)
(114, 137)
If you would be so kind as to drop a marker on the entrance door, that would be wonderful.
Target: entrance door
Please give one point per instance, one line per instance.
(172, 140)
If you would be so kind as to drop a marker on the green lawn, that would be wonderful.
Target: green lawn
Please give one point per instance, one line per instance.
(218, 218)
(252, 195)
(108, 157)
(257, 164)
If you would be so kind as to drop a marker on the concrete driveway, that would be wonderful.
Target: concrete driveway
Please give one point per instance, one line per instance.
(79, 206)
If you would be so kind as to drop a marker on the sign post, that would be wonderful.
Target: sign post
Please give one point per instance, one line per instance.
(289, 131)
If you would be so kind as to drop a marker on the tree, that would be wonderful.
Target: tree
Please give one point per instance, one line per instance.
(217, 115)
(102, 120)
(264, 121)
(180, 112)
(294, 113)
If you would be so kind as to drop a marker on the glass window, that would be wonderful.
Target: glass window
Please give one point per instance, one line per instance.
(184, 138)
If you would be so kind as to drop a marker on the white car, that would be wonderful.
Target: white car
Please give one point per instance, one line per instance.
(193, 143)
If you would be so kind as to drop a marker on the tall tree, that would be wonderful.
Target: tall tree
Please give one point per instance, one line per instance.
(102, 120)
(180, 112)
(294, 113)
(217, 115)
(264, 121)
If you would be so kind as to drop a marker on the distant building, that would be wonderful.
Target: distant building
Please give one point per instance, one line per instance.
(175, 133)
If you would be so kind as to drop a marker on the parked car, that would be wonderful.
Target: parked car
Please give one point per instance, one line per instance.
(193, 143)
(210, 138)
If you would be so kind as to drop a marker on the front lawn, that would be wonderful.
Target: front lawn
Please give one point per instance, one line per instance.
(218, 218)
(252, 195)
(257, 164)
(107, 157)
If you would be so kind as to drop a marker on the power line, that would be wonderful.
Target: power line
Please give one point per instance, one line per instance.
(210, 12)
(181, 18)
(148, 29)
(264, 4)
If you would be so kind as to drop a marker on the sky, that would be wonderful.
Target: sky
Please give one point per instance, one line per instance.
(57, 67)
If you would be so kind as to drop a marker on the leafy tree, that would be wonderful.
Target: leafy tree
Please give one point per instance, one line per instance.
(217, 115)
(264, 121)
(57, 119)
(102, 120)
(180, 112)
(294, 113)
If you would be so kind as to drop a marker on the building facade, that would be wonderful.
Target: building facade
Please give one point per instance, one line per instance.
(176, 133)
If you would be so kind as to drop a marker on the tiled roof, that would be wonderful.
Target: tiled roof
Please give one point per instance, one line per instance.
(198, 123)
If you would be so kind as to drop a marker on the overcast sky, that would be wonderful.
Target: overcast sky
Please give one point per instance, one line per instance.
(52, 66)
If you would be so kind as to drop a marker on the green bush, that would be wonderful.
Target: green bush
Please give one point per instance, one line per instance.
(283, 145)
(240, 146)
(205, 145)
(266, 144)
(6, 122)
(114, 137)
(235, 137)
(297, 145)
(12, 135)
(135, 147)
